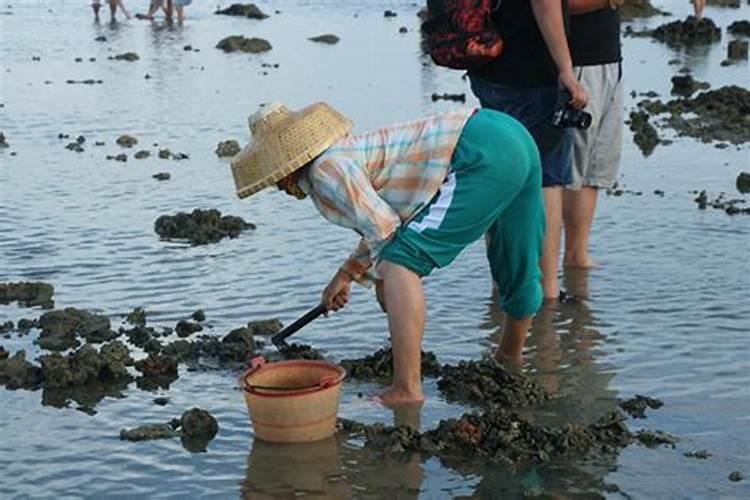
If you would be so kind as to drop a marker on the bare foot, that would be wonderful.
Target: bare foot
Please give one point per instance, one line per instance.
(508, 361)
(395, 396)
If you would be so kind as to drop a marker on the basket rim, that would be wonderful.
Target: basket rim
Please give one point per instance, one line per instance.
(247, 387)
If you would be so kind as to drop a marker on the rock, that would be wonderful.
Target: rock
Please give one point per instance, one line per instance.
(3, 143)
(198, 315)
(242, 44)
(86, 366)
(165, 154)
(27, 294)
(299, 351)
(227, 148)
(25, 324)
(729, 206)
(3, 353)
(186, 328)
(61, 328)
(198, 429)
(701, 454)
(75, 147)
(250, 10)
(687, 86)
(100, 39)
(691, 31)
(389, 13)
(6, 327)
(162, 176)
(137, 317)
(653, 439)
(403, 29)
(127, 56)
(636, 406)
(632, 9)
(743, 182)
(127, 141)
(161, 401)
(380, 365)
(645, 137)
(265, 327)
(737, 50)
(736, 476)
(182, 350)
(17, 373)
(142, 154)
(329, 38)
(732, 4)
(487, 382)
(739, 28)
(449, 97)
(148, 432)
(200, 227)
(158, 366)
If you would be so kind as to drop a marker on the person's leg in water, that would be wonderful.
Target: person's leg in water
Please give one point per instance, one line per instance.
(495, 169)
(404, 296)
(698, 6)
(123, 9)
(578, 213)
(96, 7)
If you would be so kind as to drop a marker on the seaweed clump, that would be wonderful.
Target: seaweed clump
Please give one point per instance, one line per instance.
(201, 226)
(487, 382)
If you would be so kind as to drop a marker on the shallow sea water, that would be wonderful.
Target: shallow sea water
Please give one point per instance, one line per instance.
(665, 315)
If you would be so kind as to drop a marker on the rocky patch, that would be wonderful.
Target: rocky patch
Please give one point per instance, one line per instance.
(238, 43)
(379, 366)
(200, 227)
(27, 294)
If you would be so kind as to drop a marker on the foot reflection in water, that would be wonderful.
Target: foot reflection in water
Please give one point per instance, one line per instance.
(330, 469)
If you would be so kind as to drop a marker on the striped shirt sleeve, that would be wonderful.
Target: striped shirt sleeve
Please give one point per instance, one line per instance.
(345, 196)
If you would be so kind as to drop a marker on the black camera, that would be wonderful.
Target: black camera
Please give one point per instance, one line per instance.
(566, 116)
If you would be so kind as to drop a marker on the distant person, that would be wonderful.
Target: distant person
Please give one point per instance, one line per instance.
(525, 82)
(417, 194)
(180, 8)
(595, 47)
(113, 6)
(96, 6)
(698, 6)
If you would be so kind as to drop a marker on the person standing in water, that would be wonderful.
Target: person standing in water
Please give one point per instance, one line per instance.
(417, 193)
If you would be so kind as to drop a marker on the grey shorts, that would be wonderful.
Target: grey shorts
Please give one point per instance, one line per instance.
(596, 151)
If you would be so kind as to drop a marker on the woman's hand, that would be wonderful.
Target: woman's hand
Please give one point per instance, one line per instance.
(336, 293)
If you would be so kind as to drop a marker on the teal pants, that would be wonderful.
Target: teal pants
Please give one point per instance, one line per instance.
(493, 187)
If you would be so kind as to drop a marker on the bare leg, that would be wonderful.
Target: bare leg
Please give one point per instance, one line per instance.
(551, 254)
(180, 13)
(698, 6)
(169, 10)
(404, 298)
(96, 6)
(514, 338)
(578, 213)
(112, 10)
(123, 9)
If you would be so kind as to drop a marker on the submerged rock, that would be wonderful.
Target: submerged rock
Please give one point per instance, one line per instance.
(736, 476)
(691, 31)
(449, 97)
(248, 10)
(380, 365)
(299, 351)
(162, 176)
(328, 38)
(686, 86)
(198, 429)
(645, 135)
(148, 432)
(186, 328)
(201, 226)
(743, 182)
(498, 436)
(265, 327)
(3, 143)
(737, 50)
(653, 439)
(487, 382)
(700, 454)
(17, 373)
(27, 294)
(730, 206)
(61, 328)
(127, 141)
(740, 28)
(240, 43)
(86, 366)
(637, 405)
(227, 148)
(127, 56)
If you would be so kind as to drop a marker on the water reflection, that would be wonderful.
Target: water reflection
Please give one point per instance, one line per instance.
(328, 469)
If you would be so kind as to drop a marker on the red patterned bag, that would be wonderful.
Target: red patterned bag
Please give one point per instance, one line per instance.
(460, 34)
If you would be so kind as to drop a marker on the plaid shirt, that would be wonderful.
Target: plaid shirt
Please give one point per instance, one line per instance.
(375, 182)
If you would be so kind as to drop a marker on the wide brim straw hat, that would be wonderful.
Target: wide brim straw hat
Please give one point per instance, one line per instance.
(283, 141)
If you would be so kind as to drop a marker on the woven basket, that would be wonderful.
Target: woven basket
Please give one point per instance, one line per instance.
(283, 141)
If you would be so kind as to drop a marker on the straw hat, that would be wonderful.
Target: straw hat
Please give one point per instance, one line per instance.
(283, 141)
